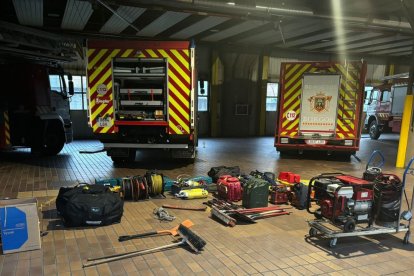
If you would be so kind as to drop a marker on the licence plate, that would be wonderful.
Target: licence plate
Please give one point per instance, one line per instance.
(315, 142)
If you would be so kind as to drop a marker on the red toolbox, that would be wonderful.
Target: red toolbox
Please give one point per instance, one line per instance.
(229, 188)
(289, 177)
(279, 195)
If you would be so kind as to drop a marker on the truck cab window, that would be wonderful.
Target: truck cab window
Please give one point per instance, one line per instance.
(56, 84)
(385, 96)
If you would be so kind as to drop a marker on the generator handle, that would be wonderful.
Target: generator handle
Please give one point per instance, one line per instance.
(310, 185)
(374, 154)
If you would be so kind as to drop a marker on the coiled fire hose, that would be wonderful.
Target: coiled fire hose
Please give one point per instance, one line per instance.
(157, 183)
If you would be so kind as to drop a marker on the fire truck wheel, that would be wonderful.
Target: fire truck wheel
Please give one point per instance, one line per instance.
(349, 226)
(374, 131)
(53, 143)
(118, 160)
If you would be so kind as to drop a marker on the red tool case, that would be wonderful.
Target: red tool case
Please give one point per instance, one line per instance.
(229, 188)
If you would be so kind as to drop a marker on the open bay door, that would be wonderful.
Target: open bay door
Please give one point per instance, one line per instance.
(319, 104)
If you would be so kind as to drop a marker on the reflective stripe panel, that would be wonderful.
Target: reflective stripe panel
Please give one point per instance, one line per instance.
(101, 108)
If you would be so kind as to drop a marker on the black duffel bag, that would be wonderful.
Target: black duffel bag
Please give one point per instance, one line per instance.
(216, 172)
(89, 205)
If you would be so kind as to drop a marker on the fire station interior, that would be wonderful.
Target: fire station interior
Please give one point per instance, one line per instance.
(177, 138)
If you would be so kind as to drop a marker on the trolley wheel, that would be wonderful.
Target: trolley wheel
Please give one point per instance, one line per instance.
(313, 232)
(349, 226)
(406, 239)
(332, 242)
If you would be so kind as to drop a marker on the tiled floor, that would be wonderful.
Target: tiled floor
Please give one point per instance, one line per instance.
(274, 246)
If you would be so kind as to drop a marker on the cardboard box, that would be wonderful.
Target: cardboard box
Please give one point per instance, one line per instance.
(19, 224)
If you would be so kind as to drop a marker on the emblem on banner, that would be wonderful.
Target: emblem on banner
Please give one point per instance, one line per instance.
(319, 102)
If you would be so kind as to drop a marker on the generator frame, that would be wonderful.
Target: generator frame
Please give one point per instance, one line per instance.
(319, 227)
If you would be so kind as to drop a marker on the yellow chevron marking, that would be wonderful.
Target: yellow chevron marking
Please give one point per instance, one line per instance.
(178, 93)
(294, 97)
(152, 53)
(103, 64)
(178, 120)
(178, 107)
(92, 63)
(127, 53)
(186, 52)
(90, 52)
(179, 83)
(180, 58)
(185, 76)
(291, 71)
(294, 87)
(175, 128)
(102, 80)
(283, 133)
(295, 123)
(340, 135)
(298, 75)
(296, 108)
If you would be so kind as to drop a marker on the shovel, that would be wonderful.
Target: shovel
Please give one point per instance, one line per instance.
(173, 231)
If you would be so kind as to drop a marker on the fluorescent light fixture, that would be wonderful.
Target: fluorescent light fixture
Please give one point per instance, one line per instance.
(284, 10)
(231, 3)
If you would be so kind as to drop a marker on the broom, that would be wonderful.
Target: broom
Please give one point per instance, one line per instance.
(173, 231)
(188, 238)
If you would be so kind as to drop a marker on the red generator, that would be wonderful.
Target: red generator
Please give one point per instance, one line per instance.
(279, 195)
(229, 188)
(344, 200)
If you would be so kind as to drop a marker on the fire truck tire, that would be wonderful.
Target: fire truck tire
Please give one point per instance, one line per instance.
(349, 226)
(374, 132)
(53, 143)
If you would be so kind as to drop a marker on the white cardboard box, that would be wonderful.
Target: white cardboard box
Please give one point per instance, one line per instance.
(19, 224)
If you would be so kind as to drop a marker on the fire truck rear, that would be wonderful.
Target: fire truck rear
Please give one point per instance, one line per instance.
(141, 96)
(320, 106)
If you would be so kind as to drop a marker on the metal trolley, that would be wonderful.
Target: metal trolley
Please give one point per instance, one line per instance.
(326, 229)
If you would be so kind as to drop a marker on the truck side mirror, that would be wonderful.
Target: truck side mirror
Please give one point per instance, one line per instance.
(70, 84)
(71, 89)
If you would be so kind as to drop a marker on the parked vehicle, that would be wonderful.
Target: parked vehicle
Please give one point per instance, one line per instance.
(320, 106)
(384, 108)
(142, 96)
(32, 113)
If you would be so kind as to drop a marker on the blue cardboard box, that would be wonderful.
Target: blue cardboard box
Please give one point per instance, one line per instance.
(19, 224)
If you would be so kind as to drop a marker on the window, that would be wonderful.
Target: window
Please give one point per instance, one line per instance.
(78, 100)
(56, 84)
(368, 90)
(202, 95)
(271, 96)
(385, 97)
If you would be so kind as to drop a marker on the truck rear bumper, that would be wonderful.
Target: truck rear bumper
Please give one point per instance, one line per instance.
(315, 147)
(145, 146)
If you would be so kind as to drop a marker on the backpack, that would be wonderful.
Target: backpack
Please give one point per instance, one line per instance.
(216, 172)
(229, 188)
(89, 205)
(300, 198)
(268, 176)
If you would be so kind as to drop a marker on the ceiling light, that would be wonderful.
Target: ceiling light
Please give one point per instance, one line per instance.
(231, 3)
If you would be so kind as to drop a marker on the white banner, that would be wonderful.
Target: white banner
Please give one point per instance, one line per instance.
(319, 104)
